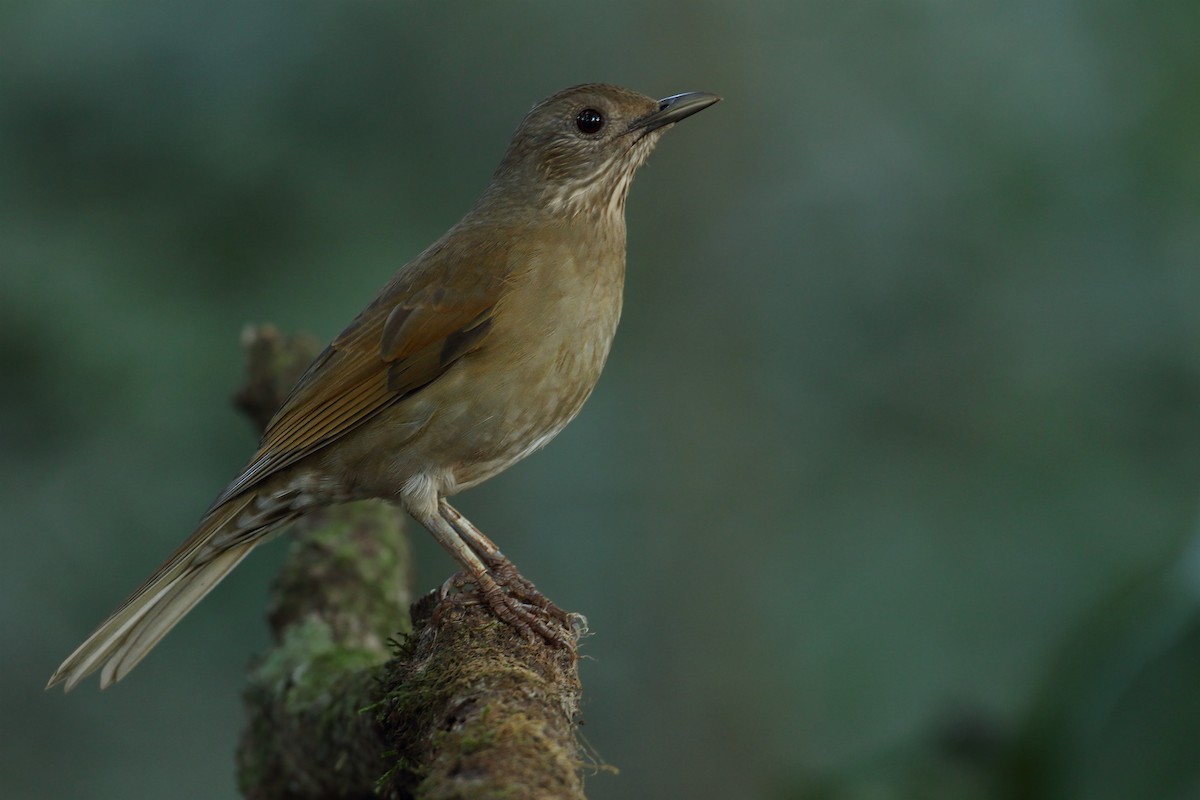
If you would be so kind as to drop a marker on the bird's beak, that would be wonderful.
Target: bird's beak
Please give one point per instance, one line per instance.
(672, 109)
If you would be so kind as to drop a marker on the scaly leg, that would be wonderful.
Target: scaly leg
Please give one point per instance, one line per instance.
(502, 569)
(504, 605)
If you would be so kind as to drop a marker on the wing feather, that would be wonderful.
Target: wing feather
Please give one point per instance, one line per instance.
(406, 339)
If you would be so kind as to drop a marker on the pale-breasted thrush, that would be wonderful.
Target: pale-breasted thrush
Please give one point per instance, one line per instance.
(475, 354)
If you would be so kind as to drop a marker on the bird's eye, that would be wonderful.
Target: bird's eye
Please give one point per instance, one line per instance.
(589, 121)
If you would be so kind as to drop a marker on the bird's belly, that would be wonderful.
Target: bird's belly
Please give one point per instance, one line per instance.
(517, 413)
(484, 465)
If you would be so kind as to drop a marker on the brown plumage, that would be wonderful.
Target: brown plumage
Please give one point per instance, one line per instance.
(477, 353)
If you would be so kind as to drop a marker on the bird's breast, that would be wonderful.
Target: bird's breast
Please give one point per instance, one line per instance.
(551, 336)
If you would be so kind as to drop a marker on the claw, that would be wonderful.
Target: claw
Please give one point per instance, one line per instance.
(517, 585)
(517, 603)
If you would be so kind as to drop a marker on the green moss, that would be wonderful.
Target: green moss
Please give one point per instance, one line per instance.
(310, 661)
(481, 710)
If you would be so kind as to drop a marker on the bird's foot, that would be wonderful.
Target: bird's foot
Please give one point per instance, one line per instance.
(517, 585)
(517, 602)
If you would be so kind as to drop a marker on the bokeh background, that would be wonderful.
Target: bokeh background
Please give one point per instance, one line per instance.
(889, 489)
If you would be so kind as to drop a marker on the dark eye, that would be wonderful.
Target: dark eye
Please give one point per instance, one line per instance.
(589, 121)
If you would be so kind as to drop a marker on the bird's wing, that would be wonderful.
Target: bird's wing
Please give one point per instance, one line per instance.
(436, 310)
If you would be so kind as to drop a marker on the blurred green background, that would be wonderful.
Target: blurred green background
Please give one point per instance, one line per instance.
(889, 489)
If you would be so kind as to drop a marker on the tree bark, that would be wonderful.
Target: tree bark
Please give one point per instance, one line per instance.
(359, 699)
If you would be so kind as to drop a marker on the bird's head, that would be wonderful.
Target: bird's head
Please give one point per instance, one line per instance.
(578, 149)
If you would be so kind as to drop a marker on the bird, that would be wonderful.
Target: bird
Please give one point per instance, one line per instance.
(474, 355)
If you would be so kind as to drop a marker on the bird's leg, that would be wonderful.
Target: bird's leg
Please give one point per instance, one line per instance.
(499, 565)
(504, 571)
(505, 606)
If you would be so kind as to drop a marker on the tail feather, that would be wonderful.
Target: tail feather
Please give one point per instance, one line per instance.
(172, 591)
(180, 597)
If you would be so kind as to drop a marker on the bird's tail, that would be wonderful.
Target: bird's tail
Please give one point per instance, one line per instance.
(218, 545)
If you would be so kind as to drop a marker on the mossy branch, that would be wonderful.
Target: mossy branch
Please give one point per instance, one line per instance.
(462, 707)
